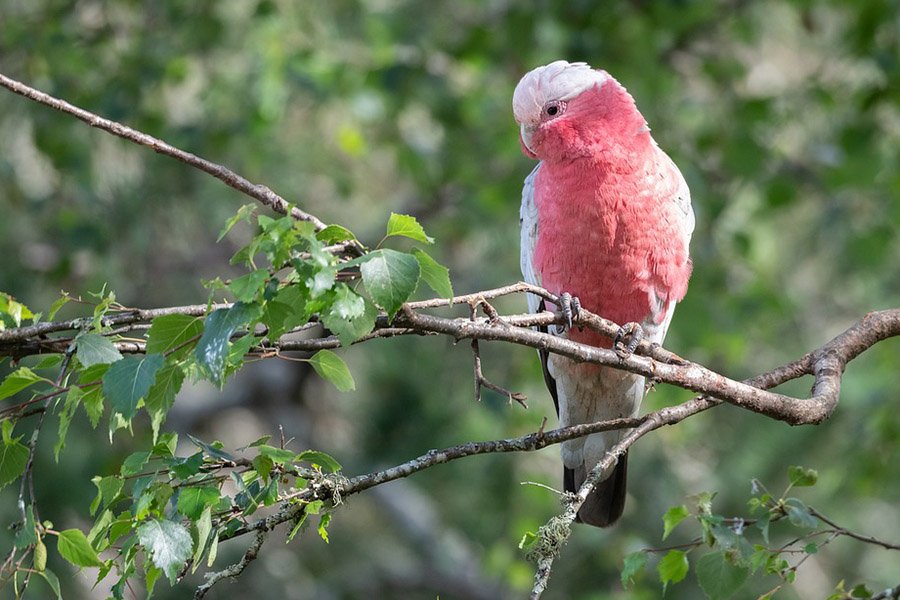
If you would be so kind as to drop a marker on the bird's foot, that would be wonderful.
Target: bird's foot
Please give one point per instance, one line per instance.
(569, 307)
(634, 334)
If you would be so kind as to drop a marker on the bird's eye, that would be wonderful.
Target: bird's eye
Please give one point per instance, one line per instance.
(554, 109)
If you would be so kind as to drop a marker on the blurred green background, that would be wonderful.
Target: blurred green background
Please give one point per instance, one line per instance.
(783, 116)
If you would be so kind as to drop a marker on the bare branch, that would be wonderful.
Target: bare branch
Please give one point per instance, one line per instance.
(256, 191)
(233, 570)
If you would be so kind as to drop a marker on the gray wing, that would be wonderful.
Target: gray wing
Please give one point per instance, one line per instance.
(528, 221)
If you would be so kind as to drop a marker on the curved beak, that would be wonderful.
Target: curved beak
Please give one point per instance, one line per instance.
(525, 133)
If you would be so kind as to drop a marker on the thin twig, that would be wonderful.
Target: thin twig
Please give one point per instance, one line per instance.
(227, 176)
(857, 536)
(235, 569)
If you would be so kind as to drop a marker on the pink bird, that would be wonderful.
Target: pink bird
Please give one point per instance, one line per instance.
(606, 221)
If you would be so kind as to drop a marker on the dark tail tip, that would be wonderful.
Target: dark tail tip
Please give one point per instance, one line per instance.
(604, 505)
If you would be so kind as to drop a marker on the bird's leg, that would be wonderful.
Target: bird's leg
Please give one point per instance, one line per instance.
(634, 332)
(569, 306)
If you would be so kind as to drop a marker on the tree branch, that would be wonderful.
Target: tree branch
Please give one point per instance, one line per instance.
(256, 191)
(233, 570)
(826, 363)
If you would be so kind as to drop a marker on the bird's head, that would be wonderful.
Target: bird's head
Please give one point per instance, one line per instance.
(567, 109)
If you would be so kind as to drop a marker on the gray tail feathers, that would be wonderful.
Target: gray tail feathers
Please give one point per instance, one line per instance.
(604, 505)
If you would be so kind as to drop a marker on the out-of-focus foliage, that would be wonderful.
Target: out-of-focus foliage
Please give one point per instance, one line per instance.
(783, 116)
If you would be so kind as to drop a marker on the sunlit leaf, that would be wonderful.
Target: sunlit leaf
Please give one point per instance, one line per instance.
(74, 547)
(673, 517)
(332, 368)
(407, 226)
(168, 544)
(18, 380)
(673, 567)
(436, 275)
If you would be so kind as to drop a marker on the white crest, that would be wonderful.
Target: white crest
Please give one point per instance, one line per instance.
(560, 80)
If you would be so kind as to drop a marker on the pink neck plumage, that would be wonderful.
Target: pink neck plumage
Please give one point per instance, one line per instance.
(602, 123)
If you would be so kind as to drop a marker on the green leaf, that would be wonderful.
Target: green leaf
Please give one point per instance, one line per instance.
(151, 576)
(719, 578)
(58, 304)
(213, 548)
(93, 349)
(407, 226)
(128, 381)
(73, 399)
(243, 214)
(73, 546)
(248, 287)
(134, 463)
(390, 278)
(48, 361)
(183, 468)
(167, 543)
(350, 316)
(436, 275)
(278, 455)
(108, 489)
(802, 477)
(324, 461)
(12, 311)
(673, 517)
(18, 380)
(239, 348)
(799, 514)
(192, 501)
(862, 591)
(167, 443)
(93, 404)
(53, 581)
(161, 395)
(274, 315)
(634, 564)
(13, 458)
(173, 331)
(212, 350)
(299, 525)
(97, 533)
(204, 527)
(324, 520)
(331, 367)
(334, 234)
(673, 567)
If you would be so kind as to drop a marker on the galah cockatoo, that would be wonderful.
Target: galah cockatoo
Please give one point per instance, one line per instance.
(606, 218)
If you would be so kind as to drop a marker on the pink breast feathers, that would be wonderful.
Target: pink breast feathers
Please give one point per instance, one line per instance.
(611, 239)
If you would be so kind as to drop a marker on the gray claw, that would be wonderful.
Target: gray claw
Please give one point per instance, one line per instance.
(634, 332)
(570, 307)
